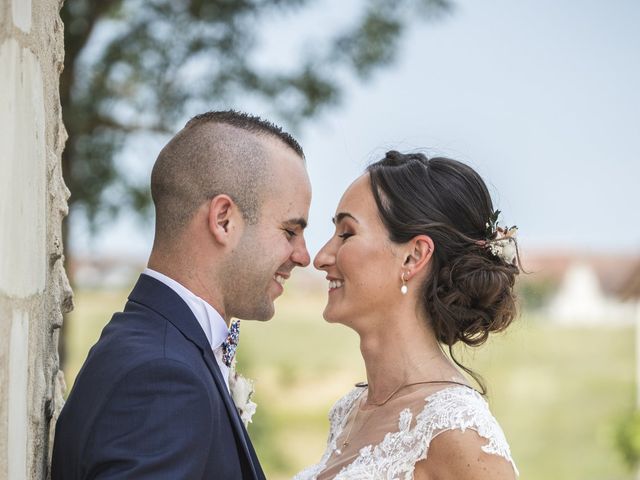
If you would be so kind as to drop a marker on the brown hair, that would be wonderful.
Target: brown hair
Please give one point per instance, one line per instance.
(215, 153)
(469, 292)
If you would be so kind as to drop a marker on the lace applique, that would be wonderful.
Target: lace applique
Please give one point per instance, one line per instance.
(395, 457)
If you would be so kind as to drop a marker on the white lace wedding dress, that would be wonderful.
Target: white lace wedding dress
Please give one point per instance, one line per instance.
(392, 439)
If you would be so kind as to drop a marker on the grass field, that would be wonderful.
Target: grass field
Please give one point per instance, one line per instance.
(557, 392)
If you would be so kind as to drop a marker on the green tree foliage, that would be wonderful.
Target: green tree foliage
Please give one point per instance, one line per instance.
(627, 439)
(142, 66)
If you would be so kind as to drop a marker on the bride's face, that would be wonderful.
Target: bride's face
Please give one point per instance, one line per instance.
(363, 266)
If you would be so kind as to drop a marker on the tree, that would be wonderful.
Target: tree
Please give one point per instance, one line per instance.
(627, 440)
(140, 67)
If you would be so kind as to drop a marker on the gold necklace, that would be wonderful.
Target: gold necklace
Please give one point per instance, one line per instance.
(345, 442)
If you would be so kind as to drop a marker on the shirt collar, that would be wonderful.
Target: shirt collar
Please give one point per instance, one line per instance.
(212, 323)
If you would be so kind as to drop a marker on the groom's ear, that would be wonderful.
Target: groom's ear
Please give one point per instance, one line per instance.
(418, 255)
(224, 220)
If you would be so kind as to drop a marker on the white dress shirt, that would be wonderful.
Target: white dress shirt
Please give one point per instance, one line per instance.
(212, 323)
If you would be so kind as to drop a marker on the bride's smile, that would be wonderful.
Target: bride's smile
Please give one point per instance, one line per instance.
(363, 266)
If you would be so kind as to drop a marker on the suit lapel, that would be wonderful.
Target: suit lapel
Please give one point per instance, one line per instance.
(231, 408)
(162, 299)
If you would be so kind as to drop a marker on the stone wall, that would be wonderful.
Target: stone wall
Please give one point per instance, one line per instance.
(34, 291)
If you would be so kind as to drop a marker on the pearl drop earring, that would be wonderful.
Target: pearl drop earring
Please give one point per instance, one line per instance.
(404, 289)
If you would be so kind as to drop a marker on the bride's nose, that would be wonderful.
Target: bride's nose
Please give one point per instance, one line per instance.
(324, 258)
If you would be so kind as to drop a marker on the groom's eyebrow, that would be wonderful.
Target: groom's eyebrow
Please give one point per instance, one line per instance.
(299, 222)
(341, 216)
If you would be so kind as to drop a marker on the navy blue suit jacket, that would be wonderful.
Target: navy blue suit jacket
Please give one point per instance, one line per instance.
(150, 401)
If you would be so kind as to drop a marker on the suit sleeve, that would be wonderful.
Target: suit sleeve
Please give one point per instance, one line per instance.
(156, 424)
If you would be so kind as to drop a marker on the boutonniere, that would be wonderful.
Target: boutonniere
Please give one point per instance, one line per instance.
(242, 390)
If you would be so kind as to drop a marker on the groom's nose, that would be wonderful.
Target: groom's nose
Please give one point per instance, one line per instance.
(300, 255)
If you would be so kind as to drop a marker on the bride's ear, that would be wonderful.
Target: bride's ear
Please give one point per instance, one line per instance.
(418, 255)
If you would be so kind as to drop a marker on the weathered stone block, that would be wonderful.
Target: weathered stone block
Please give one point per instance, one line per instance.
(22, 182)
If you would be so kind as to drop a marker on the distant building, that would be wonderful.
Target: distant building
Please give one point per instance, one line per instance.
(590, 288)
(631, 288)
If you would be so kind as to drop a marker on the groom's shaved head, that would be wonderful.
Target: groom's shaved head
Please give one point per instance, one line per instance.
(215, 153)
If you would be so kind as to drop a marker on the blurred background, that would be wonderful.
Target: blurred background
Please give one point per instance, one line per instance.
(541, 97)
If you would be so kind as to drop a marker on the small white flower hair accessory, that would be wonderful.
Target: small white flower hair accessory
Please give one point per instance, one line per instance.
(501, 241)
(242, 390)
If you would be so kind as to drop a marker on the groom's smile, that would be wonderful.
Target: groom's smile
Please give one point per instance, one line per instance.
(280, 279)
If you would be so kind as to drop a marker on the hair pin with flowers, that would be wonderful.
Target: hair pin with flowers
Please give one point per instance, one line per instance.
(501, 241)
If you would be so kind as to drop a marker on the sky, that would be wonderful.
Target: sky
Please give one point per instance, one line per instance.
(541, 97)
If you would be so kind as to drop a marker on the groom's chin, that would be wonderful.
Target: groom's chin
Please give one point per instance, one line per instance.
(265, 316)
(261, 313)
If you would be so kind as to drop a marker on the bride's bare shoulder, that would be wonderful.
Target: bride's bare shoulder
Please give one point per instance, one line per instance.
(455, 454)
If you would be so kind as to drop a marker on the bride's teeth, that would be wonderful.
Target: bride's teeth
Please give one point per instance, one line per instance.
(335, 284)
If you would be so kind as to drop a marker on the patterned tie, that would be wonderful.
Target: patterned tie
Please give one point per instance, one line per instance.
(231, 343)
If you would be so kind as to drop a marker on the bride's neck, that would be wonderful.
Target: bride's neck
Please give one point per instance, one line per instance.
(403, 352)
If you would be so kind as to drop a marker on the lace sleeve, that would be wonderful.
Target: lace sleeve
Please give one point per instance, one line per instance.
(449, 409)
(460, 408)
(407, 442)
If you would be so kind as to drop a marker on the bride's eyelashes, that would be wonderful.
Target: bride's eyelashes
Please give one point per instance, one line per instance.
(345, 235)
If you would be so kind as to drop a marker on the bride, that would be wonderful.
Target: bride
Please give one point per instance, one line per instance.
(417, 263)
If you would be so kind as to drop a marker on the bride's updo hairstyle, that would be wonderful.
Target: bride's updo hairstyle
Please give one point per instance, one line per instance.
(468, 293)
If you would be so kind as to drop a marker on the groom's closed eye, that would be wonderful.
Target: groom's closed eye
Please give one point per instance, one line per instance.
(294, 227)
(295, 224)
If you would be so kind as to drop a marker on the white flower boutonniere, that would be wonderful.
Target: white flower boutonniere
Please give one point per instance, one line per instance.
(242, 390)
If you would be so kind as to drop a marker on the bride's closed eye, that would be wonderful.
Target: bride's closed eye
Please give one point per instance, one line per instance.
(345, 235)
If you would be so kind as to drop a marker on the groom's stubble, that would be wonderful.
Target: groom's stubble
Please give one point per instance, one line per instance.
(247, 273)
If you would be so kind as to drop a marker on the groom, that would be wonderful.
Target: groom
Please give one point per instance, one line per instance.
(231, 195)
